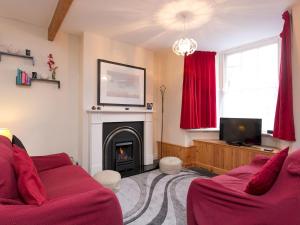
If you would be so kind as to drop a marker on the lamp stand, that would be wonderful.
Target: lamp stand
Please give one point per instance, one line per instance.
(162, 92)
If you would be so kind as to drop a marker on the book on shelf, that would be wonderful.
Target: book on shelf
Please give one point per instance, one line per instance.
(22, 78)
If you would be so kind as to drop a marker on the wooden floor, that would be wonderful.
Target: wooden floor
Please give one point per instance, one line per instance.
(213, 155)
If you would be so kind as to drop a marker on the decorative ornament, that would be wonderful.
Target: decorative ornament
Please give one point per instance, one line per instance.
(52, 66)
(27, 52)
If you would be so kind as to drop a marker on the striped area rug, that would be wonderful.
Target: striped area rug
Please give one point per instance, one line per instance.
(154, 198)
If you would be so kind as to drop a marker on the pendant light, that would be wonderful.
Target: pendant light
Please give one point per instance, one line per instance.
(184, 46)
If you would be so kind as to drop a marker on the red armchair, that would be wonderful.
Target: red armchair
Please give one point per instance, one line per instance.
(222, 200)
(73, 197)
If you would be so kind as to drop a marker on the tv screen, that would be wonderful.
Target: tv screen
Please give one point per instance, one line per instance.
(240, 131)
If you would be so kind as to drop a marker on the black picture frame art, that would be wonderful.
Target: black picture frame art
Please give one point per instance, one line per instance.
(120, 84)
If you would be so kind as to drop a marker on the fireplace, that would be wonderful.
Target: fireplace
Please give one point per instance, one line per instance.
(94, 158)
(124, 156)
(123, 147)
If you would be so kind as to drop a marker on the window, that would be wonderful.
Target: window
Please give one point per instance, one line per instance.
(250, 83)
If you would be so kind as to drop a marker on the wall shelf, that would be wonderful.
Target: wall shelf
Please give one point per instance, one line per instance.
(49, 81)
(17, 55)
(24, 85)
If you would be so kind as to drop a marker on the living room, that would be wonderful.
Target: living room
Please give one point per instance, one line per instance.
(136, 112)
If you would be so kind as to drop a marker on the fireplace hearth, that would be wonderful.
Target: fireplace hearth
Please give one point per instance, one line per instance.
(123, 147)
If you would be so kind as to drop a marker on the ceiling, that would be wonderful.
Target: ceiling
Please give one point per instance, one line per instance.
(215, 24)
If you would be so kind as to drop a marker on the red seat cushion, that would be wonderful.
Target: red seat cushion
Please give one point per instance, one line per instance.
(263, 180)
(67, 180)
(231, 182)
(29, 184)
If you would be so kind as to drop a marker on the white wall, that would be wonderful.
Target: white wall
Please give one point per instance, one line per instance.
(99, 47)
(44, 117)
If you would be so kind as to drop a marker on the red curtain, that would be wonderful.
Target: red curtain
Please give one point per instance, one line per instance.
(198, 109)
(284, 118)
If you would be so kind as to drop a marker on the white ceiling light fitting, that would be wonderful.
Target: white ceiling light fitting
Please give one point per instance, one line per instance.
(184, 46)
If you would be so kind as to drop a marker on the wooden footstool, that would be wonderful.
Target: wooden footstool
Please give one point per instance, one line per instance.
(109, 179)
(170, 165)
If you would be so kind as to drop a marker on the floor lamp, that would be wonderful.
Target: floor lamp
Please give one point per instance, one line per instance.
(162, 92)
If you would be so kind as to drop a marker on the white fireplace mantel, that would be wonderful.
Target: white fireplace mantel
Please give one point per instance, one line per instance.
(96, 120)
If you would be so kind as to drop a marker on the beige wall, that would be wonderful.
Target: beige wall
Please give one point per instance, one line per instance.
(99, 47)
(44, 117)
(170, 72)
(51, 120)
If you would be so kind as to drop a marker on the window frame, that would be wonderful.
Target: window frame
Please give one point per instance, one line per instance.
(221, 74)
(222, 66)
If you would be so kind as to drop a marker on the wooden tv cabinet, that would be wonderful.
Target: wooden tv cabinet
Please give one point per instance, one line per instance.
(214, 155)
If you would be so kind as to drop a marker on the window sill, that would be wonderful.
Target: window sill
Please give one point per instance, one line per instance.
(265, 134)
(204, 130)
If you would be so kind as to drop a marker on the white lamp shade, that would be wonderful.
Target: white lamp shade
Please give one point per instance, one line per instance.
(184, 46)
(6, 133)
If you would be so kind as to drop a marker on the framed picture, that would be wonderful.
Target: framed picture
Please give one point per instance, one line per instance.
(120, 84)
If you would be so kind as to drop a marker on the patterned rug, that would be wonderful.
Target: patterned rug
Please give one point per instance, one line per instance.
(154, 198)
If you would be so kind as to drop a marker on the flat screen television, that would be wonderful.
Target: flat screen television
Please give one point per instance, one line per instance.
(240, 131)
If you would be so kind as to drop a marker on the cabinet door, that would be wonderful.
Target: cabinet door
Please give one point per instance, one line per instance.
(229, 158)
(200, 153)
(238, 157)
(246, 156)
(218, 156)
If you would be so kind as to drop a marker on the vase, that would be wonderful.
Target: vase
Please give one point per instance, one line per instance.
(53, 75)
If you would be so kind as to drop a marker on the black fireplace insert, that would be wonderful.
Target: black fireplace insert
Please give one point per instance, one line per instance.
(123, 147)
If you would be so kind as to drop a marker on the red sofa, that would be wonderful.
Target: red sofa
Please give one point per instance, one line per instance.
(74, 197)
(222, 200)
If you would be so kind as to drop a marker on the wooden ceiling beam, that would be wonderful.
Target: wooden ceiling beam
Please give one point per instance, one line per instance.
(58, 17)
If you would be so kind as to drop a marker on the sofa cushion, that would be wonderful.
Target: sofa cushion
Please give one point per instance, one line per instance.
(5, 141)
(260, 160)
(231, 182)
(29, 184)
(47, 162)
(244, 172)
(8, 180)
(263, 180)
(16, 141)
(294, 168)
(67, 180)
